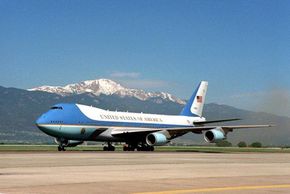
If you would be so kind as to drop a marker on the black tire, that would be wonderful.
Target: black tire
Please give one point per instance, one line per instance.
(59, 148)
(132, 149)
(111, 148)
(105, 148)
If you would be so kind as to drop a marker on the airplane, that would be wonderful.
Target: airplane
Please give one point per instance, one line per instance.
(72, 124)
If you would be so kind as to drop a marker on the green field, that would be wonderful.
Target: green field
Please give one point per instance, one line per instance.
(204, 149)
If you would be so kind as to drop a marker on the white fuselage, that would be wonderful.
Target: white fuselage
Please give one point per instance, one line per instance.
(137, 119)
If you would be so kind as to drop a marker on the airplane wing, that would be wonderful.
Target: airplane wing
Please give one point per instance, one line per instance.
(182, 130)
(215, 121)
(206, 128)
(127, 131)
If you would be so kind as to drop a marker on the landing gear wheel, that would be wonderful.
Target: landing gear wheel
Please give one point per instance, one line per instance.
(145, 147)
(60, 148)
(132, 148)
(125, 147)
(129, 147)
(110, 147)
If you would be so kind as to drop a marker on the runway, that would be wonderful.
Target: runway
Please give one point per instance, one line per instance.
(141, 172)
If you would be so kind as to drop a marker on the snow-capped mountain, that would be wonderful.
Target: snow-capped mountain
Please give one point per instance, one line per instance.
(107, 87)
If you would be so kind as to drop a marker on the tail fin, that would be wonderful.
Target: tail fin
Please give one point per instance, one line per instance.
(195, 104)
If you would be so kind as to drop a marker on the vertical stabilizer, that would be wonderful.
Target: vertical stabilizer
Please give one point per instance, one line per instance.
(194, 106)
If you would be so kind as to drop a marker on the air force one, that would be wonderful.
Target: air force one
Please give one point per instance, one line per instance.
(72, 124)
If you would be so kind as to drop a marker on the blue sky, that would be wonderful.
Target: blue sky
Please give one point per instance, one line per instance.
(241, 47)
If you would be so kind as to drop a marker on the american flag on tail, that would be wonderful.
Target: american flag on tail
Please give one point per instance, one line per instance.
(199, 99)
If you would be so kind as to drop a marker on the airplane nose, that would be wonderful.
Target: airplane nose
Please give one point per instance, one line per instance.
(41, 124)
(40, 120)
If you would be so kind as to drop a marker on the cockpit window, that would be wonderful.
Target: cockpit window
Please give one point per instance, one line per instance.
(56, 107)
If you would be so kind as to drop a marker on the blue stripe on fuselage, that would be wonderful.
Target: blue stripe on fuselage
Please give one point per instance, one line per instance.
(70, 114)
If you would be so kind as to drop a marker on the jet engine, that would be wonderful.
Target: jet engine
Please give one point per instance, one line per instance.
(67, 143)
(156, 139)
(214, 135)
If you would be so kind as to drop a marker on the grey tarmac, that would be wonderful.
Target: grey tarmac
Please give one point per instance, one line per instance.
(144, 172)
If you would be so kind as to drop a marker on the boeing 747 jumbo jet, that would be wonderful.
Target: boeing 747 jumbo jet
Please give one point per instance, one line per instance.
(72, 124)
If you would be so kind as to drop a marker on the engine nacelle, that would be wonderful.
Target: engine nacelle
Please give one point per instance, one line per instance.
(156, 139)
(214, 135)
(67, 143)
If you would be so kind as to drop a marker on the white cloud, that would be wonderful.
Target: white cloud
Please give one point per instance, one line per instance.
(132, 80)
(135, 80)
(119, 74)
(145, 84)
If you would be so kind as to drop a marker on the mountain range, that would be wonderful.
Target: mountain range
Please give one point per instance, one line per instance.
(106, 87)
(20, 108)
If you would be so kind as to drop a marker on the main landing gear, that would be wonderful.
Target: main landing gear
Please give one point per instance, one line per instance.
(110, 147)
(60, 148)
(130, 147)
(133, 147)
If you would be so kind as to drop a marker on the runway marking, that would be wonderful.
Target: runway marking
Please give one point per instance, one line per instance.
(220, 189)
